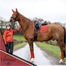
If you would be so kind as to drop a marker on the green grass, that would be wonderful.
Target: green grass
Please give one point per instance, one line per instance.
(19, 37)
(17, 46)
(55, 50)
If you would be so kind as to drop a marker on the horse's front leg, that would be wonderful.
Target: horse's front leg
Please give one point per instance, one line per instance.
(31, 51)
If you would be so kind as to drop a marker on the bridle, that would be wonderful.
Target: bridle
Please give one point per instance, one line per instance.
(15, 20)
(15, 17)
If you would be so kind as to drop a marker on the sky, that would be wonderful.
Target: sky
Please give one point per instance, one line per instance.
(50, 10)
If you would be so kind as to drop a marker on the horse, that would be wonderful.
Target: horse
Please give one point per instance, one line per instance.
(54, 32)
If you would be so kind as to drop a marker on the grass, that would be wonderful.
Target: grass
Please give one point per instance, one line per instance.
(17, 46)
(55, 50)
(19, 37)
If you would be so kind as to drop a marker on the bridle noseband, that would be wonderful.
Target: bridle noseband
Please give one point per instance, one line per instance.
(15, 17)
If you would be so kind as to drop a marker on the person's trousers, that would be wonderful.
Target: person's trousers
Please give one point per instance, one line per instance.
(9, 47)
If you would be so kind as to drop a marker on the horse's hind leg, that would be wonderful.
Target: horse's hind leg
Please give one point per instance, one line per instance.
(62, 48)
(31, 50)
(65, 50)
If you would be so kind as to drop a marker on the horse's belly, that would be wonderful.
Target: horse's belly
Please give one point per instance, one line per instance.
(43, 37)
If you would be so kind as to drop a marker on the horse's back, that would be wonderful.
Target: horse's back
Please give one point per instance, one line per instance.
(56, 27)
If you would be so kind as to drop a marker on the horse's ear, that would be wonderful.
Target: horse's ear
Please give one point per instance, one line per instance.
(13, 11)
(16, 10)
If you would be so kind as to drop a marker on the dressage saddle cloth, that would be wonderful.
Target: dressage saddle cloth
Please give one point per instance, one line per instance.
(43, 28)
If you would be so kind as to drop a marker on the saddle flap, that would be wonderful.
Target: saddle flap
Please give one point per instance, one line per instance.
(44, 29)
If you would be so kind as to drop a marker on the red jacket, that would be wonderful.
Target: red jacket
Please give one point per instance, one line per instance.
(8, 35)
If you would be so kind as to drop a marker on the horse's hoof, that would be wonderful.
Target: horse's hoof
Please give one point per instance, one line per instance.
(65, 63)
(61, 61)
(31, 60)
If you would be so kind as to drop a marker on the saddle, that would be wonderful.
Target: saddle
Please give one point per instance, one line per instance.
(39, 27)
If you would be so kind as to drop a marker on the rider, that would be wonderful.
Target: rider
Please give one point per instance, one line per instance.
(8, 38)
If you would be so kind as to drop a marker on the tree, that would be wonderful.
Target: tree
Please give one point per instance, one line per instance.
(58, 23)
(1, 26)
(38, 19)
(48, 22)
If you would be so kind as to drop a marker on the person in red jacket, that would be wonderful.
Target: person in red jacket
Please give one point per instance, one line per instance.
(8, 38)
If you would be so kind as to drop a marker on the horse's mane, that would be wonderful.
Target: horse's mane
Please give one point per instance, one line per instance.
(23, 16)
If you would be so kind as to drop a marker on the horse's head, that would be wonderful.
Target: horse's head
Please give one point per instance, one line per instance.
(14, 16)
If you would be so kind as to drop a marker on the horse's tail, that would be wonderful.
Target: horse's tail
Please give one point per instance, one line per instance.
(65, 40)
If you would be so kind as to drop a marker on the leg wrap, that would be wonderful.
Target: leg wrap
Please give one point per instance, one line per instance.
(62, 55)
(32, 54)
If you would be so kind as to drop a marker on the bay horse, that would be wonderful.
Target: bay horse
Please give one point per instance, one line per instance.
(54, 32)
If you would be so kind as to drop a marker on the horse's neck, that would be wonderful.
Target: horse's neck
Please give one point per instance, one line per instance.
(23, 21)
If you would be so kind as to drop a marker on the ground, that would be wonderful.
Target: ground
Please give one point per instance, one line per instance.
(42, 57)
